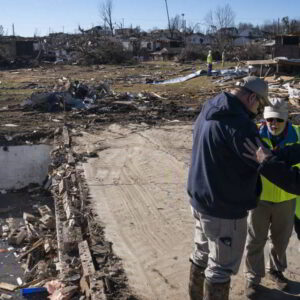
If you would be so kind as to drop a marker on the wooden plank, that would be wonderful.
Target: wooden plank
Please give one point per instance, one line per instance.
(8, 286)
(37, 244)
(37, 282)
(84, 286)
(62, 186)
(66, 136)
(289, 63)
(261, 68)
(261, 62)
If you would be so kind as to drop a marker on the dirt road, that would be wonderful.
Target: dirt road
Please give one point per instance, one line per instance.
(137, 189)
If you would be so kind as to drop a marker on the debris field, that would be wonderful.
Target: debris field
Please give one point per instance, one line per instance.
(111, 219)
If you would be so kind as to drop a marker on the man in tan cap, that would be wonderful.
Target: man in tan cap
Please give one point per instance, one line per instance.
(275, 211)
(223, 186)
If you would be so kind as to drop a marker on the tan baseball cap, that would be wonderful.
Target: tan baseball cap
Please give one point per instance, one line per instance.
(257, 86)
(279, 109)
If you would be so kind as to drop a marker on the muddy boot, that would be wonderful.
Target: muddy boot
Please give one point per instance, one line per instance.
(252, 290)
(196, 282)
(216, 291)
(279, 279)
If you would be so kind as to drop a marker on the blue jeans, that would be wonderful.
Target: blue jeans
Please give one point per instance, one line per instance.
(209, 69)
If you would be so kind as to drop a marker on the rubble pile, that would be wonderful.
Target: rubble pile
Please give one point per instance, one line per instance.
(83, 49)
(63, 251)
(86, 262)
(76, 96)
(102, 105)
(32, 240)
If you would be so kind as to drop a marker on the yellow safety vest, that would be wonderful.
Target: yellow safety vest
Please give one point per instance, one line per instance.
(209, 59)
(298, 208)
(270, 191)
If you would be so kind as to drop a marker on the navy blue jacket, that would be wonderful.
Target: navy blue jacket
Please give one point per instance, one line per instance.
(280, 171)
(222, 182)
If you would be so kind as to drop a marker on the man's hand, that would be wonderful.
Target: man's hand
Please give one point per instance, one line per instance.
(257, 153)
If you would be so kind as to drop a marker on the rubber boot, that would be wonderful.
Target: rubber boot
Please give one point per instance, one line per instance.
(253, 290)
(216, 291)
(196, 282)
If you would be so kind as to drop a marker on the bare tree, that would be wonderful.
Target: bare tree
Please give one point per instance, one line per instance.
(175, 23)
(286, 24)
(283, 26)
(272, 27)
(294, 26)
(1, 30)
(219, 21)
(289, 26)
(224, 16)
(106, 9)
(193, 28)
(221, 17)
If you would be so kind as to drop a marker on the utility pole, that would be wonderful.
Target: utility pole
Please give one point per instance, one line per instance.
(183, 25)
(168, 14)
(13, 29)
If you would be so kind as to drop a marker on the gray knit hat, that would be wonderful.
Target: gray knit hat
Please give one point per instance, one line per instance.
(278, 109)
(257, 86)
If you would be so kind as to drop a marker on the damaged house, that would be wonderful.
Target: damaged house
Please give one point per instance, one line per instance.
(127, 32)
(97, 30)
(18, 47)
(199, 39)
(248, 36)
(288, 45)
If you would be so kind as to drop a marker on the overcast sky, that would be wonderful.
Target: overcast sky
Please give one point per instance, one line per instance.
(44, 16)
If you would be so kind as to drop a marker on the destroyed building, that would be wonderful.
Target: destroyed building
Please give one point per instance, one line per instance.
(16, 47)
(288, 45)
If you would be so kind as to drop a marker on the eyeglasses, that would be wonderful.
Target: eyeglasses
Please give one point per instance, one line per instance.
(270, 120)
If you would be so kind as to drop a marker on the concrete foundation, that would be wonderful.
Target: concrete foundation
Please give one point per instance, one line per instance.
(21, 165)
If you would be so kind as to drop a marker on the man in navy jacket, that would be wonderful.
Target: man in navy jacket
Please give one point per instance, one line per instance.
(223, 185)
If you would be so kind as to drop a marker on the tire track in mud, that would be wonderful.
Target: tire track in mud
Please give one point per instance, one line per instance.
(138, 191)
(145, 214)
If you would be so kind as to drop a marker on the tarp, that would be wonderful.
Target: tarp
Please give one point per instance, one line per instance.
(228, 73)
(181, 79)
